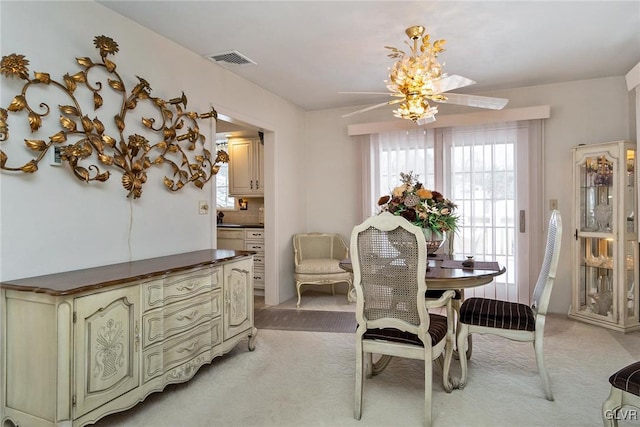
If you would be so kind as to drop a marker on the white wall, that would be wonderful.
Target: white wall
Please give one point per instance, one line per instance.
(50, 222)
(582, 112)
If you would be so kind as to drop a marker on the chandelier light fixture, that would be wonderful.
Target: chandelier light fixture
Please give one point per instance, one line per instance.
(412, 77)
(417, 78)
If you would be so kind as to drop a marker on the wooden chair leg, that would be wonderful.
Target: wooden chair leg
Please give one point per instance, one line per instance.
(546, 384)
(360, 368)
(428, 387)
(298, 285)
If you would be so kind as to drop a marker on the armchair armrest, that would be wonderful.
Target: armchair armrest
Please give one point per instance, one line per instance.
(444, 300)
(341, 250)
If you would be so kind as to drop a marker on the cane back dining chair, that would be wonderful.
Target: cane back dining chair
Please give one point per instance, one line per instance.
(389, 260)
(317, 259)
(511, 320)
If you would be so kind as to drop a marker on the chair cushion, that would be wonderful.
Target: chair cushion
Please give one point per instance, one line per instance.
(437, 330)
(497, 314)
(319, 266)
(627, 379)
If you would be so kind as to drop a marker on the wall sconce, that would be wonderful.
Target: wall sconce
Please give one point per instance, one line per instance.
(80, 139)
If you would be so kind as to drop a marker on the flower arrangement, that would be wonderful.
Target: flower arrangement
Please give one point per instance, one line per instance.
(425, 208)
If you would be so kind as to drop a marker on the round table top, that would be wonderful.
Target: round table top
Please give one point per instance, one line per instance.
(439, 277)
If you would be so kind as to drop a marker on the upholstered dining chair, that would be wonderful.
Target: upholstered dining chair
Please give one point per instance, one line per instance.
(317, 259)
(389, 258)
(625, 391)
(511, 320)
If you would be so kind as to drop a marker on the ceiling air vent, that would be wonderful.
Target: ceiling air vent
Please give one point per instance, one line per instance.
(232, 57)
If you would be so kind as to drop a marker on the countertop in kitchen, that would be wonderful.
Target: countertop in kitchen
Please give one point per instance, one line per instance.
(230, 225)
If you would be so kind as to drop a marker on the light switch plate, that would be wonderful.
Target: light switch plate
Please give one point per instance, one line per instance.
(203, 207)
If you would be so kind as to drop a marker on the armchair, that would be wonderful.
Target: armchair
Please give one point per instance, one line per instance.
(316, 258)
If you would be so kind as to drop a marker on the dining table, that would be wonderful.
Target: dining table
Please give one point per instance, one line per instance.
(447, 272)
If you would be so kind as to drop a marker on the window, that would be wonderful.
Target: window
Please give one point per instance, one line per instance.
(485, 171)
(223, 200)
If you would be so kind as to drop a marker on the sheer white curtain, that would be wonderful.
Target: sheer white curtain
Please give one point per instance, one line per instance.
(390, 153)
(487, 171)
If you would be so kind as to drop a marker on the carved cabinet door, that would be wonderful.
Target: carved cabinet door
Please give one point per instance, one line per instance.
(238, 295)
(107, 339)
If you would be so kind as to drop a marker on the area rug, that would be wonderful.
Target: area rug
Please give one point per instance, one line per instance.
(304, 320)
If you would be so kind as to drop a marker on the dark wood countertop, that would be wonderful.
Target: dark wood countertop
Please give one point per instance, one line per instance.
(72, 282)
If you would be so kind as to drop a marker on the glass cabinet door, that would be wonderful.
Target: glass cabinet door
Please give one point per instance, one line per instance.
(606, 246)
(597, 200)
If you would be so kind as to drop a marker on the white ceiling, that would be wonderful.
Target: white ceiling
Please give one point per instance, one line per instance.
(309, 51)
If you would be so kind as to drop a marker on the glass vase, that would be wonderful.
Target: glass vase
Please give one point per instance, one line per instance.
(435, 240)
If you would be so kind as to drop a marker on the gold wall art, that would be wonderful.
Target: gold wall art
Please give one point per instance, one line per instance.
(177, 141)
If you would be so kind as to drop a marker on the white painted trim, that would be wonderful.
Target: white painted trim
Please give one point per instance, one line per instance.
(469, 119)
(633, 77)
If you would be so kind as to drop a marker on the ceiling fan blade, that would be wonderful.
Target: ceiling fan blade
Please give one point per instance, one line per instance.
(426, 120)
(475, 101)
(372, 107)
(452, 82)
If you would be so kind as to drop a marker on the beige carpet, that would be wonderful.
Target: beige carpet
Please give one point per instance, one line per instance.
(306, 379)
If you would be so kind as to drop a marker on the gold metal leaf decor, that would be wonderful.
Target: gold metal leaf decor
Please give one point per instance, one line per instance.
(177, 143)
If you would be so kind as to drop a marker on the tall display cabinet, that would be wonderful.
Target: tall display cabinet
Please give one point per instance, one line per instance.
(605, 241)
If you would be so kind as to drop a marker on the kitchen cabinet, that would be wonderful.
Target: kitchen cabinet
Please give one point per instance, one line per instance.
(605, 245)
(80, 345)
(230, 238)
(254, 241)
(246, 238)
(246, 173)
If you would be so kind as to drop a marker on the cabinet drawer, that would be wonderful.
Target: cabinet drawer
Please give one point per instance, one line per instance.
(230, 234)
(176, 351)
(177, 287)
(258, 260)
(158, 325)
(254, 234)
(254, 246)
(258, 277)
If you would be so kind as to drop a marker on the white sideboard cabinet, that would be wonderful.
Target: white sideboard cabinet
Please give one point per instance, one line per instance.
(80, 345)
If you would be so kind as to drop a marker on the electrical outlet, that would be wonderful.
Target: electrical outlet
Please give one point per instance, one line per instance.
(203, 207)
(553, 204)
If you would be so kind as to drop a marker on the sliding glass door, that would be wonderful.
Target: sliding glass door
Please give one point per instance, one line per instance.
(485, 170)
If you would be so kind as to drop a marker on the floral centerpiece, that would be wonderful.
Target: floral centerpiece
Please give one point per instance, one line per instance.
(428, 209)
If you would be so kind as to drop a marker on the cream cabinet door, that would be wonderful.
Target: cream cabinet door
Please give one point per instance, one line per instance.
(259, 167)
(246, 171)
(107, 338)
(238, 294)
(241, 166)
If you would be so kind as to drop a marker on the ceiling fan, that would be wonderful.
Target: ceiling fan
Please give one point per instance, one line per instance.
(416, 79)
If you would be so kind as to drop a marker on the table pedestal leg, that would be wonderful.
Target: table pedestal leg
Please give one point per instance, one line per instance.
(456, 308)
